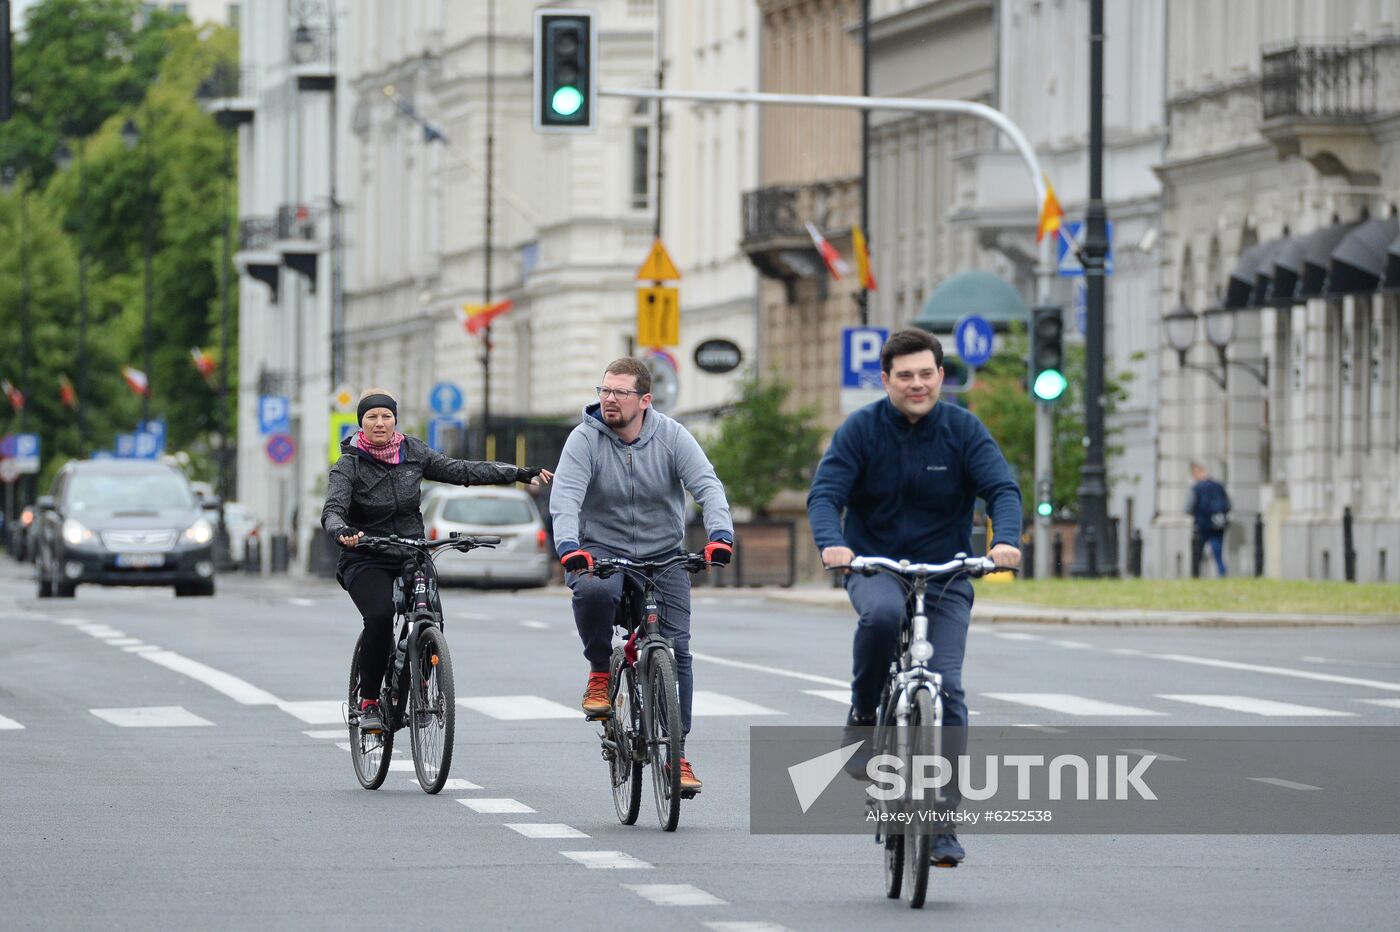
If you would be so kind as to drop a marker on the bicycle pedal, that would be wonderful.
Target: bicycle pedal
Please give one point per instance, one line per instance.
(604, 717)
(948, 866)
(689, 794)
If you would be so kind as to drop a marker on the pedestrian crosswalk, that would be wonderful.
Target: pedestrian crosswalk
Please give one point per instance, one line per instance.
(161, 716)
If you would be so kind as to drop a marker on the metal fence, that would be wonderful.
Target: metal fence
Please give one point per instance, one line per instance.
(1334, 81)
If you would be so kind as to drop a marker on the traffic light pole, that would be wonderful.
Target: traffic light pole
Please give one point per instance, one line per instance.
(1044, 426)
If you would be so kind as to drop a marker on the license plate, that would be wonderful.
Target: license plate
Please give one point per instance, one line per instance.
(140, 561)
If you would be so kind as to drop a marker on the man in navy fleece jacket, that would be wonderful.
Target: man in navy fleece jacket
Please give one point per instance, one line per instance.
(907, 470)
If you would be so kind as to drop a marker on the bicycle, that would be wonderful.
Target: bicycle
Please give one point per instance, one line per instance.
(420, 659)
(644, 726)
(910, 714)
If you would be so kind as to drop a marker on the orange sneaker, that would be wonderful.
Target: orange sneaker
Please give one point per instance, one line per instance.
(689, 781)
(595, 696)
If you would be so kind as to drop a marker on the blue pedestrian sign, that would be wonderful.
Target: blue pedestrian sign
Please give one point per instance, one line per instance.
(860, 356)
(446, 399)
(281, 449)
(975, 339)
(274, 414)
(1067, 259)
(438, 428)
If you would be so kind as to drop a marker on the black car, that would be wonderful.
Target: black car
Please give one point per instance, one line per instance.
(123, 523)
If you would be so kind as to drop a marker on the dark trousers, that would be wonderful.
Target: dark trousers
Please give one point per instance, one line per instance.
(595, 606)
(1216, 541)
(372, 590)
(882, 606)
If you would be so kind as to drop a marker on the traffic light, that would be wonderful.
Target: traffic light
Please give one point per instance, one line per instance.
(1043, 505)
(1048, 380)
(565, 71)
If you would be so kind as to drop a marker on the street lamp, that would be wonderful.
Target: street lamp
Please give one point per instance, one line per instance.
(132, 137)
(303, 44)
(1180, 326)
(64, 157)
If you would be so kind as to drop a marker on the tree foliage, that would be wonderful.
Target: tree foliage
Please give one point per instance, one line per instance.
(763, 448)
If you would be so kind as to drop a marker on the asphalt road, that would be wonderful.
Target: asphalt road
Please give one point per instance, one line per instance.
(177, 764)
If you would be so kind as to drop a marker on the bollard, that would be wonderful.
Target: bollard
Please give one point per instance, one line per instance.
(1259, 545)
(1348, 548)
(252, 556)
(1091, 551)
(1059, 556)
(1028, 559)
(281, 557)
(1135, 554)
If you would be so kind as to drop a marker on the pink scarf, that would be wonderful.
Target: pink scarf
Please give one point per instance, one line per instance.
(386, 452)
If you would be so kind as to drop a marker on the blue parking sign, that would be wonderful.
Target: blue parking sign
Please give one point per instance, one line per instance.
(860, 356)
(274, 414)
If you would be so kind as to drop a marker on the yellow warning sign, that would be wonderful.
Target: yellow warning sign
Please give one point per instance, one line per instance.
(658, 267)
(658, 316)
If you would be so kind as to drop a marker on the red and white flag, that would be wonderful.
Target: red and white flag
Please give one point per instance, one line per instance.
(834, 263)
(477, 317)
(203, 362)
(136, 380)
(67, 396)
(14, 394)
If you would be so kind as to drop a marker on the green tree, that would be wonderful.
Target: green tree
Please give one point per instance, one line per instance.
(761, 447)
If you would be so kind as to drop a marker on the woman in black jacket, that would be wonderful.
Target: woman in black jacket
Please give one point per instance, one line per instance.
(374, 489)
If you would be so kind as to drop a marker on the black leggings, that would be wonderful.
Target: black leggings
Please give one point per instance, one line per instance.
(372, 590)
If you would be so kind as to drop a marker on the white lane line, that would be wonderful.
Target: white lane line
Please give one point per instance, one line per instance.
(304, 603)
(9, 724)
(545, 830)
(1286, 784)
(73, 622)
(842, 696)
(708, 703)
(238, 690)
(674, 894)
(494, 806)
(1126, 651)
(343, 745)
(453, 783)
(326, 733)
(124, 642)
(773, 671)
(96, 628)
(1387, 703)
(518, 708)
(401, 766)
(530, 623)
(1253, 706)
(141, 649)
(316, 711)
(1017, 636)
(1352, 663)
(1075, 645)
(607, 860)
(157, 716)
(1279, 671)
(1144, 752)
(746, 927)
(1068, 704)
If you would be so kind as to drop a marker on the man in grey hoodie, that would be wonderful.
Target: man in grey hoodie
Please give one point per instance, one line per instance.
(619, 491)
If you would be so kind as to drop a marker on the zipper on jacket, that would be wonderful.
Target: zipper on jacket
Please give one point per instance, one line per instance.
(632, 494)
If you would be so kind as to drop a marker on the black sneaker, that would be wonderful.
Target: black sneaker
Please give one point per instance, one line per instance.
(370, 721)
(857, 730)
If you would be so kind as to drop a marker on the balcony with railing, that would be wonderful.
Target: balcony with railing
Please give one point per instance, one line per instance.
(775, 225)
(1319, 99)
(229, 95)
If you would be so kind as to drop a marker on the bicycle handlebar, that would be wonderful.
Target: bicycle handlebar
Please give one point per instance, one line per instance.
(694, 562)
(959, 565)
(422, 544)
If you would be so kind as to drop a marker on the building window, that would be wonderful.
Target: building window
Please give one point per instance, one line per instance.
(235, 15)
(641, 156)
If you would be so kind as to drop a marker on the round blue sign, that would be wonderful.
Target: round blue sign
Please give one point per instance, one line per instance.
(975, 340)
(446, 398)
(281, 449)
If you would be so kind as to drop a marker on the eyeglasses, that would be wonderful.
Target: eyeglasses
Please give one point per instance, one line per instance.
(621, 394)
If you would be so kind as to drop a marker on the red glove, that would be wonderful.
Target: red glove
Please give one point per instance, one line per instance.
(577, 561)
(718, 551)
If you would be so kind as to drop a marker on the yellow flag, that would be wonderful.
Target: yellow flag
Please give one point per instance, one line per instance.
(1050, 212)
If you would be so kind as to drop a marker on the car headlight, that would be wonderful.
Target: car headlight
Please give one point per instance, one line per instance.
(75, 533)
(201, 532)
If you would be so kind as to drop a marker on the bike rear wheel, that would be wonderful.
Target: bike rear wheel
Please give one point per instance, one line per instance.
(663, 720)
(432, 710)
(624, 729)
(370, 754)
(918, 840)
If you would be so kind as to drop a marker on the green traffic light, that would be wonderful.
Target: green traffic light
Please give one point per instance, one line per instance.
(566, 100)
(1050, 385)
(1045, 509)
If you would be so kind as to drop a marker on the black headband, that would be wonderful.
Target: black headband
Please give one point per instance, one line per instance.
(376, 401)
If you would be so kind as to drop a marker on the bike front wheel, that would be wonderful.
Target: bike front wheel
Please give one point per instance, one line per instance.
(432, 710)
(663, 721)
(624, 729)
(918, 839)
(369, 753)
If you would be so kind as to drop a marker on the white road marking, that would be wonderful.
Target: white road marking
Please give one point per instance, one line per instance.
(140, 649)
(304, 603)
(674, 894)
(1126, 651)
(607, 860)
(518, 708)
(326, 733)
(842, 696)
(1253, 706)
(473, 616)
(545, 830)
(1279, 671)
(1387, 703)
(9, 724)
(1017, 636)
(97, 629)
(537, 625)
(1076, 645)
(316, 711)
(158, 716)
(238, 690)
(124, 642)
(453, 783)
(773, 671)
(1067, 704)
(401, 766)
(495, 806)
(1352, 663)
(708, 703)
(1286, 784)
(1144, 752)
(73, 622)
(746, 927)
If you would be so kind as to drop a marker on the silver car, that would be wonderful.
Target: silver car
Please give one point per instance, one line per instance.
(521, 560)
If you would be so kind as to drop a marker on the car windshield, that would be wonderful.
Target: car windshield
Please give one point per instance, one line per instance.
(488, 511)
(154, 491)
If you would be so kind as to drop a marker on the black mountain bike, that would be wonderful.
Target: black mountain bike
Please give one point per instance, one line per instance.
(418, 688)
(910, 718)
(644, 726)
